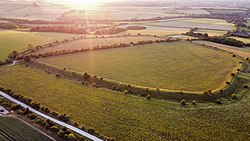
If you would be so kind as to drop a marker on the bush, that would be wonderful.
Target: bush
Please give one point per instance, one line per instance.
(15, 107)
(91, 131)
(148, 97)
(245, 86)
(126, 92)
(71, 137)
(27, 58)
(219, 102)
(32, 116)
(54, 128)
(95, 85)
(193, 102)
(58, 75)
(183, 102)
(233, 74)
(234, 96)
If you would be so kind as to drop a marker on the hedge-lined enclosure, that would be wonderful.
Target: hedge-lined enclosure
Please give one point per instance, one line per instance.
(180, 66)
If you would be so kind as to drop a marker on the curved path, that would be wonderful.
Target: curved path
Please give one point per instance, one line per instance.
(85, 134)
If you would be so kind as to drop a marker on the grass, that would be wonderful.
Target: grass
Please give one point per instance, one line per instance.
(16, 40)
(243, 52)
(173, 66)
(245, 40)
(204, 23)
(125, 117)
(212, 32)
(17, 130)
(91, 42)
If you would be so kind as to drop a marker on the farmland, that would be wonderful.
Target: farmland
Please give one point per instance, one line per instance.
(15, 40)
(118, 115)
(243, 52)
(244, 40)
(214, 24)
(174, 62)
(14, 129)
(91, 42)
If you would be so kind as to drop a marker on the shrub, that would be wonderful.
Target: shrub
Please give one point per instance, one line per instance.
(86, 75)
(234, 55)
(148, 97)
(91, 131)
(219, 102)
(234, 96)
(126, 92)
(157, 89)
(32, 116)
(193, 102)
(15, 107)
(183, 102)
(27, 58)
(54, 128)
(245, 86)
(71, 137)
(233, 74)
(58, 75)
(95, 85)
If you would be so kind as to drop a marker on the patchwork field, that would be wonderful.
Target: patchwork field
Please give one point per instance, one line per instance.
(14, 129)
(211, 32)
(91, 42)
(15, 40)
(173, 66)
(196, 22)
(119, 116)
(244, 40)
(243, 52)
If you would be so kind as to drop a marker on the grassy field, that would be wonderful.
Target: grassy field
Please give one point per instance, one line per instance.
(15, 40)
(125, 117)
(90, 43)
(204, 23)
(227, 11)
(173, 66)
(243, 52)
(211, 32)
(245, 40)
(11, 128)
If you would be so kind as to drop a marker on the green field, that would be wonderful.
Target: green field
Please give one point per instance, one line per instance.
(125, 117)
(244, 40)
(204, 23)
(243, 52)
(211, 32)
(16, 40)
(14, 129)
(92, 42)
(174, 66)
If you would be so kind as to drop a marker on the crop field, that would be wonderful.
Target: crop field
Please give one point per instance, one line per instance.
(14, 129)
(211, 32)
(15, 40)
(243, 52)
(226, 11)
(244, 40)
(173, 66)
(196, 22)
(119, 116)
(91, 42)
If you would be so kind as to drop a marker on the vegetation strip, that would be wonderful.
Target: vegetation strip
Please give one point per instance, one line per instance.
(50, 118)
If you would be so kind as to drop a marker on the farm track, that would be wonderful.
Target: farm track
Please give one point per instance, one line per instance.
(50, 118)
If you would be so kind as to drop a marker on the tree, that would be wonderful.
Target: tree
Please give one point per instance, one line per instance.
(13, 55)
(27, 58)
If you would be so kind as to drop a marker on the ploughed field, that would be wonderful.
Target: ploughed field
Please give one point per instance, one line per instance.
(93, 42)
(173, 66)
(18, 41)
(14, 129)
(126, 117)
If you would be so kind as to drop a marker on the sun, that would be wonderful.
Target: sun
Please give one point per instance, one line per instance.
(80, 4)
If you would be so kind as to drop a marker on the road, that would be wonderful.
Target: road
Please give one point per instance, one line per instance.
(79, 131)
